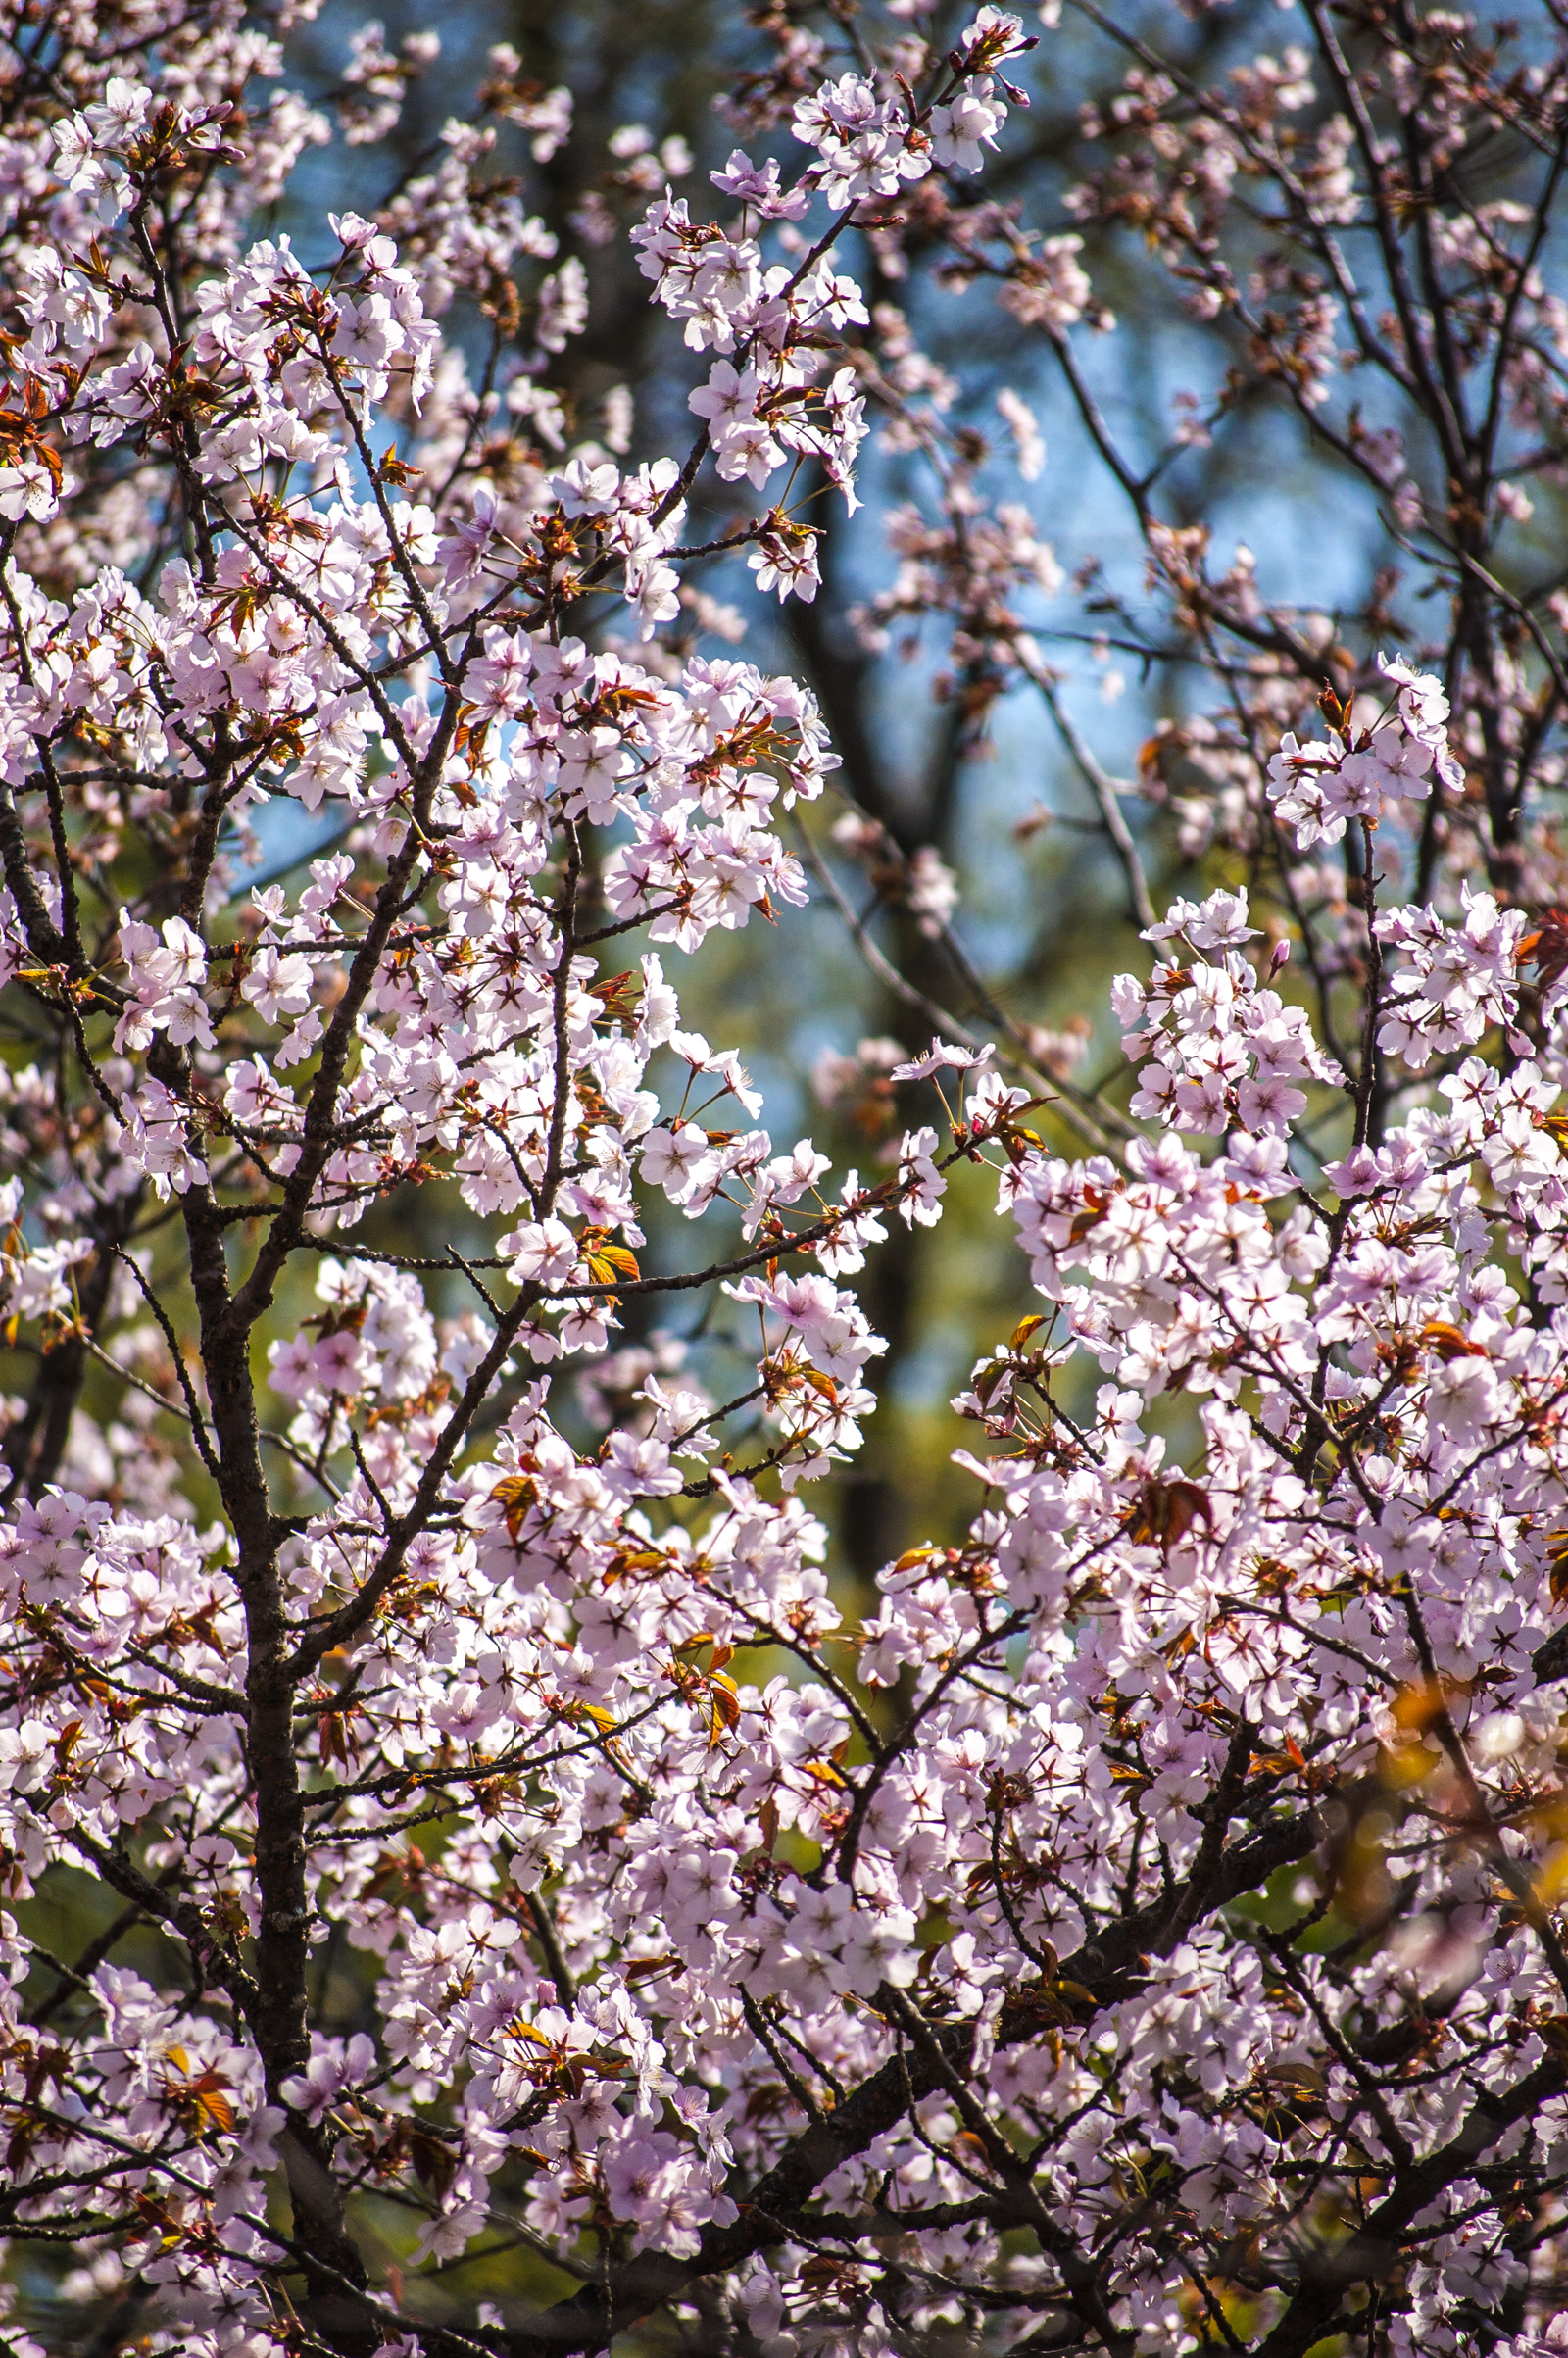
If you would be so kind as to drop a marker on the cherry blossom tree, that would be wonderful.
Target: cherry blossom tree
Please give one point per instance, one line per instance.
(1138, 1929)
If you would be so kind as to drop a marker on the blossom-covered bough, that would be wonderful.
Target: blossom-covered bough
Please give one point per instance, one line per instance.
(1142, 1931)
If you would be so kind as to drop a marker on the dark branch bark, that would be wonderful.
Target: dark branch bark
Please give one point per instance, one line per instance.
(1107, 1966)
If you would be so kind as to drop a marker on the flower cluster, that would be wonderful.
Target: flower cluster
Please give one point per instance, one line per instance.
(1133, 1925)
(1227, 1051)
(1318, 787)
